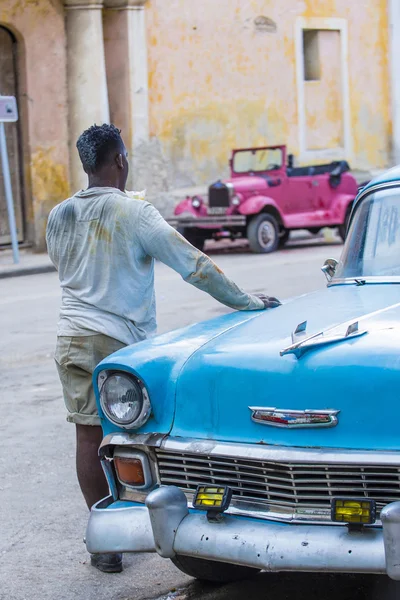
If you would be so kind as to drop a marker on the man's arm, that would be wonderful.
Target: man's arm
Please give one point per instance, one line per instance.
(161, 241)
(50, 239)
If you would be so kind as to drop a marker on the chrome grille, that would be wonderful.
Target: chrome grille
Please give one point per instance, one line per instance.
(286, 485)
(218, 195)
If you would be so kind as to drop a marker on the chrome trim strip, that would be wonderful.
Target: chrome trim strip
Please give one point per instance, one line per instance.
(376, 188)
(282, 453)
(256, 451)
(152, 440)
(108, 470)
(377, 279)
(271, 512)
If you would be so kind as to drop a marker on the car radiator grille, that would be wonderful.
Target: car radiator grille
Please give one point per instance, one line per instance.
(289, 485)
(218, 196)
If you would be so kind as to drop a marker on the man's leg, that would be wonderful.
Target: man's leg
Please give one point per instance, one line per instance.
(76, 359)
(90, 474)
(94, 485)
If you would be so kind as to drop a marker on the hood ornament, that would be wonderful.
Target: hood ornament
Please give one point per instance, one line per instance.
(294, 419)
(301, 342)
(300, 333)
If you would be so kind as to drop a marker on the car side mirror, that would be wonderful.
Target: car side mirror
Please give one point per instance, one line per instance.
(329, 268)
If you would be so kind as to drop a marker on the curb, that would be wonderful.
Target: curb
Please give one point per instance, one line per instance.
(19, 272)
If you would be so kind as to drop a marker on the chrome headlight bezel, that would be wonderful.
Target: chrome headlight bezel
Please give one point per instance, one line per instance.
(145, 410)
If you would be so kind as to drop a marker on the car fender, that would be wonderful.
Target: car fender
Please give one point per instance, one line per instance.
(255, 204)
(340, 205)
(186, 206)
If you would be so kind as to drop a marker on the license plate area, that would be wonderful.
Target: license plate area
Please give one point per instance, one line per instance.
(216, 210)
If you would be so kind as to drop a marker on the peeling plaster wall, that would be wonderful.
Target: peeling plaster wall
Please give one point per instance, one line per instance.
(323, 98)
(216, 82)
(39, 28)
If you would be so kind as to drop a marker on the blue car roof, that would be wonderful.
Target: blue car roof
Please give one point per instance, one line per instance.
(392, 175)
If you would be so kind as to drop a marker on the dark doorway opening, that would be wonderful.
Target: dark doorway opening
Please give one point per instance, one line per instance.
(9, 87)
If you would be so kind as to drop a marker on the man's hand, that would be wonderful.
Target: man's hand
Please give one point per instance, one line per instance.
(269, 301)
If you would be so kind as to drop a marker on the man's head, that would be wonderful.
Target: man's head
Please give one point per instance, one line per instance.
(104, 156)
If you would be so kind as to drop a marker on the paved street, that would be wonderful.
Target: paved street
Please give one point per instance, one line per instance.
(42, 515)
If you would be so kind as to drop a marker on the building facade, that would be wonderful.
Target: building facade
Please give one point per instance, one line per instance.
(187, 81)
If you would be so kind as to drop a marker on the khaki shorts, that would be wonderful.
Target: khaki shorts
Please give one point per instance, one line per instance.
(76, 359)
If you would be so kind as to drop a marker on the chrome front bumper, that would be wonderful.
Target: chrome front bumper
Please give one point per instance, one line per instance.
(166, 526)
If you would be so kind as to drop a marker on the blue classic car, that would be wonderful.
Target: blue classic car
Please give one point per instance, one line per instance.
(235, 445)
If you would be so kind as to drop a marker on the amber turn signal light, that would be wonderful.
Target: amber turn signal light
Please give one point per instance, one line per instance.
(358, 511)
(130, 471)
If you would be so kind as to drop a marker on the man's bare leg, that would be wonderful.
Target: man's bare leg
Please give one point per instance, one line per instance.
(94, 485)
(90, 474)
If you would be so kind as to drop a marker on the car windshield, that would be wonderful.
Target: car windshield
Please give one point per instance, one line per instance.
(263, 159)
(372, 247)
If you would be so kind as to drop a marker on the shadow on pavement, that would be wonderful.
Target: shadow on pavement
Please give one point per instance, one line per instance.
(300, 586)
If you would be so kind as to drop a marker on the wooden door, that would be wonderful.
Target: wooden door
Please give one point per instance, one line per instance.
(8, 87)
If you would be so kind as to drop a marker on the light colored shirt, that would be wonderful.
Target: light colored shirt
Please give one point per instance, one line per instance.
(103, 244)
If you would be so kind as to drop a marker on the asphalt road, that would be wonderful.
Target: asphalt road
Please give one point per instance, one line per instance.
(42, 515)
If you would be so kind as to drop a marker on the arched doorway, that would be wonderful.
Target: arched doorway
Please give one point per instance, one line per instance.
(9, 87)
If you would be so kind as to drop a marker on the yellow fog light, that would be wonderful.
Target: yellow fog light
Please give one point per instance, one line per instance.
(354, 511)
(212, 498)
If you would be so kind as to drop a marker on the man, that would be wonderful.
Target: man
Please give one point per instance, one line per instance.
(103, 244)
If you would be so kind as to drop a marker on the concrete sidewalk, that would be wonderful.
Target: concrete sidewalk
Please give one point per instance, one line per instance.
(30, 263)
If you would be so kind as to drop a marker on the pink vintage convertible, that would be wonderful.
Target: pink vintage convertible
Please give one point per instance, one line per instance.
(266, 197)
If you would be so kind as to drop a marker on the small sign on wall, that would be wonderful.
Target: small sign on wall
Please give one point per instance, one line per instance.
(265, 25)
(8, 109)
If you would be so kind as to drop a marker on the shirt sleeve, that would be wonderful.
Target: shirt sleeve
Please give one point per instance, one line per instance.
(163, 242)
(50, 242)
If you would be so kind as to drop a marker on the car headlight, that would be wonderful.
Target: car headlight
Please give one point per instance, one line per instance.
(124, 399)
(196, 202)
(235, 200)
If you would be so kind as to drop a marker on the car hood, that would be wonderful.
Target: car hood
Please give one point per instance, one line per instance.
(159, 361)
(359, 376)
(244, 184)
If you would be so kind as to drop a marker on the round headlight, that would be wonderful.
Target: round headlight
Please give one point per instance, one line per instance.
(196, 202)
(124, 399)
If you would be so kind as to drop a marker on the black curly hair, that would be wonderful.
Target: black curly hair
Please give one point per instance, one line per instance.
(96, 144)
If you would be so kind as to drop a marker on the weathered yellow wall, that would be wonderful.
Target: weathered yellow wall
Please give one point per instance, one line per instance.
(324, 98)
(216, 83)
(39, 28)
